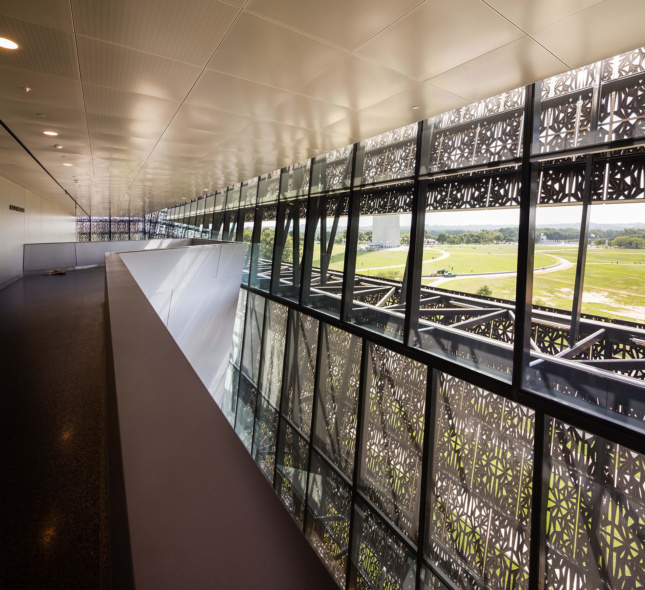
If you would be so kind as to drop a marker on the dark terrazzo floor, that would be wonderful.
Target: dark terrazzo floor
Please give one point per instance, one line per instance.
(51, 400)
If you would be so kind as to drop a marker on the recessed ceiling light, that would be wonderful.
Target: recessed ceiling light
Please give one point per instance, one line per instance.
(41, 115)
(66, 164)
(415, 108)
(58, 146)
(8, 43)
(50, 133)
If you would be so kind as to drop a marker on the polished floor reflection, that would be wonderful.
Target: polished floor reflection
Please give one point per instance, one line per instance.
(51, 384)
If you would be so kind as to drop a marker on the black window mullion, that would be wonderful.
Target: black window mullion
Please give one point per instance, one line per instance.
(526, 234)
(358, 456)
(351, 244)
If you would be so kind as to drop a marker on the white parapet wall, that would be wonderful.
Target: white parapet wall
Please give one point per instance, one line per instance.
(63, 255)
(194, 290)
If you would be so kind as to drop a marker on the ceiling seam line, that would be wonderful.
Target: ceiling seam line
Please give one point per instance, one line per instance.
(184, 100)
(529, 34)
(87, 126)
(24, 147)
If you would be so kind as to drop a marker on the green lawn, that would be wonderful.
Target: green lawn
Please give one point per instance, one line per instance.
(614, 278)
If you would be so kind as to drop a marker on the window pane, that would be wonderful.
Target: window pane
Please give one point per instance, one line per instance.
(275, 335)
(238, 328)
(379, 558)
(291, 475)
(295, 180)
(469, 269)
(333, 171)
(382, 259)
(390, 470)
(388, 156)
(245, 415)
(326, 253)
(229, 399)
(596, 512)
(479, 509)
(478, 133)
(292, 217)
(337, 402)
(263, 250)
(264, 437)
(297, 403)
(328, 513)
(253, 336)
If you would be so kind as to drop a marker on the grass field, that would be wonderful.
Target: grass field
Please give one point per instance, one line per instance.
(614, 278)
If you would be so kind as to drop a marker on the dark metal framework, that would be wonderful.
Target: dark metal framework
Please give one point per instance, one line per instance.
(427, 438)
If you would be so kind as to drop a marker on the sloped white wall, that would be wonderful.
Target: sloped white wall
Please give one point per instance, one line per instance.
(42, 221)
(194, 291)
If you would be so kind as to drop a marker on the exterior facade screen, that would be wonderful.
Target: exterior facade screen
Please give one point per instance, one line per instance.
(439, 353)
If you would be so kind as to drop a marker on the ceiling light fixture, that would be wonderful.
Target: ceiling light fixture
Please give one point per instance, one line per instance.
(8, 43)
(415, 108)
(66, 164)
(58, 146)
(43, 115)
(50, 133)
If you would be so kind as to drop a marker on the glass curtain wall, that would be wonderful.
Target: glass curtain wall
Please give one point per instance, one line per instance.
(445, 388)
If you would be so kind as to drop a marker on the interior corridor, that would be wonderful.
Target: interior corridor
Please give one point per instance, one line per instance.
(51, 347)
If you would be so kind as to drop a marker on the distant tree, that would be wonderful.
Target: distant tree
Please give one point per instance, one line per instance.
(485, 291)
(600, 241)
(266, 242)
(453, 240)
(247, 236)
(442, 238)
(631, 242)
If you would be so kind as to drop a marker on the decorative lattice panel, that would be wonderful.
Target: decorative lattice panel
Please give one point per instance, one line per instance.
(291, 476)
(275, 334)
(390, 155)
(328, 514)
(253, 337)
(297, 403)
(596, 513)
(481, 490)
(379, 558)
(335, 429)
(391, 455)
(264, 437)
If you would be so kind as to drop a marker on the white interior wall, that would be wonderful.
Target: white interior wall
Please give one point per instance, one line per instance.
(42, 221)
(195, 290)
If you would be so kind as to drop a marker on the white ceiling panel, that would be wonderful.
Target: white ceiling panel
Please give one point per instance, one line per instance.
(603, 30)
(438, 36)
(41, 49)
(125, 69)
(273, 132)
(302, 111)
(234, 95)
(197, 117)
(108, 101)
(262, 51)
(44, 89)
(123, 126)
(356, 83)
(317, 142)
(180, 134)
(56, 14)
(187, 31)
(513, 65)
(250, 144)
(159, 98)
(531, 15)
(347, 23)
(398, 111)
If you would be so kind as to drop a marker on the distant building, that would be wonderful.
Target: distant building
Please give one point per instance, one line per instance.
(386, 231)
